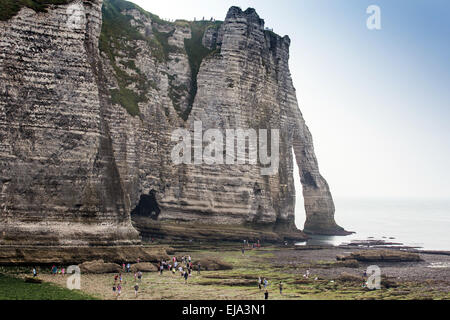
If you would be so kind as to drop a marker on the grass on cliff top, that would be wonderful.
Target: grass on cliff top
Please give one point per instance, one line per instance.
(12, 288)
(9, 8)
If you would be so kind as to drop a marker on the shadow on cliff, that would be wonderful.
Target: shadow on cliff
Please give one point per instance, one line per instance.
(147, 206)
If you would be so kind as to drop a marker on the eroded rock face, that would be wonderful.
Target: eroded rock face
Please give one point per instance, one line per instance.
(65, 255)
(86, 133)
(210, 264)
(256, 91)
(143, 267)
(59, 182)
(99, 267)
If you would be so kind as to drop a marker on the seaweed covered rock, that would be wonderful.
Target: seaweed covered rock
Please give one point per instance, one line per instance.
(349, 277)
(77, 255)
(99, 266)
(143, 267)
(383, 256)
(210, 264)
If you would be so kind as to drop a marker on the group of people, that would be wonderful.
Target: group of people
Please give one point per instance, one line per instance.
(264, 283)
(117, 287)
(118, 279)
(55, 270)
(247, 244)
(127, 267)
(184, 267)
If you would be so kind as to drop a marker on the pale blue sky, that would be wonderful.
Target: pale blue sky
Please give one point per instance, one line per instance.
(376, 102)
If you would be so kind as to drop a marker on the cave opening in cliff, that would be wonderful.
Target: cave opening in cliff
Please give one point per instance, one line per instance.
(300, 212)
(147, 206)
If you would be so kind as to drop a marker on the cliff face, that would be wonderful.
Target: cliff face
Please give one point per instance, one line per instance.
(59, 182)
(86, 132)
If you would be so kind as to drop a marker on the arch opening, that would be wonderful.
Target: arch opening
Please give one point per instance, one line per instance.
(300, 212)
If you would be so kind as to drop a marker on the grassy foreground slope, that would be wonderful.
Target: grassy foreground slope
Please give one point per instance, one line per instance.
(12, 288)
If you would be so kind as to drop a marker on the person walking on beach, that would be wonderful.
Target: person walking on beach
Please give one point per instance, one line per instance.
(266, 295)
(119, 289)
(281, 288)
(306, 275)
(136, 289)
(185, 277)
(259, 283)
(266, 283)
(181, 270)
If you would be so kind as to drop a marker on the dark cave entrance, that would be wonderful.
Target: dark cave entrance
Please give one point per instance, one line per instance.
(147, 206)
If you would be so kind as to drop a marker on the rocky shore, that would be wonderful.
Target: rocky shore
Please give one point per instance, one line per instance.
(307, 272)
(430, 268)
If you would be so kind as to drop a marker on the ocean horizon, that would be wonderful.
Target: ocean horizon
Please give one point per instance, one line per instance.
(422, 223)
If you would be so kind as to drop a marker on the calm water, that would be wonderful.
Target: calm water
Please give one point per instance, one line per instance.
(413, 222)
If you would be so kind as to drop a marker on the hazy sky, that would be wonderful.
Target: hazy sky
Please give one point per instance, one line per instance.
(377, 102)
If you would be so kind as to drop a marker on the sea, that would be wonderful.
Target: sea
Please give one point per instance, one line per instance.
(421, 223)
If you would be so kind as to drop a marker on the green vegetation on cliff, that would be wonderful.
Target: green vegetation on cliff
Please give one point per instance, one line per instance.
(114, 38)
(116, 42)
(9, 8)
(196, 53)
(117, 30)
